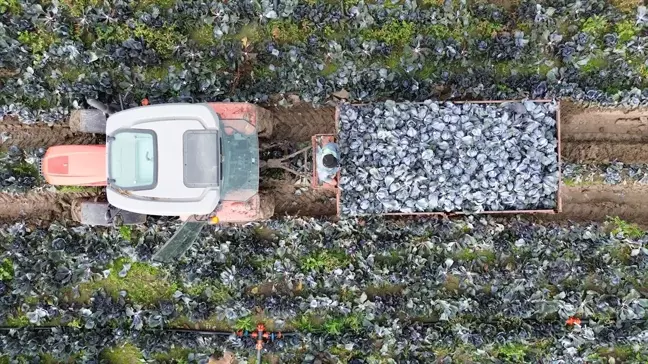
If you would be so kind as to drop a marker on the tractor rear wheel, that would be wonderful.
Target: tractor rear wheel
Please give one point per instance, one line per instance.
(264, 123)
(97, 213)
(88, 121)
(267, 207)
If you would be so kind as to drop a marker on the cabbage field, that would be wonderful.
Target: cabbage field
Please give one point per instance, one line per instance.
(570, 287)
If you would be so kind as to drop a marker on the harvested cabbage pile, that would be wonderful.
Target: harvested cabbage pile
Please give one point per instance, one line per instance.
(431, 156)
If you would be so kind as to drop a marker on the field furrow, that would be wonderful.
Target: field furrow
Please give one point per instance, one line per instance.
(600, 135)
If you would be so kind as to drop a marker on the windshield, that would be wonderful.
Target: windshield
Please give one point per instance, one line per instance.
(240, 152)
(201, 159)
(132, 160)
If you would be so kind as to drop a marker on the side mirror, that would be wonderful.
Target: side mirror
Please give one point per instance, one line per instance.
(100, 106)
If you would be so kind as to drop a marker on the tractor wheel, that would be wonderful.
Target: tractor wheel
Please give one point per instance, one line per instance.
(267, 207)
(88, 121)
(265, 123)
(102, 214)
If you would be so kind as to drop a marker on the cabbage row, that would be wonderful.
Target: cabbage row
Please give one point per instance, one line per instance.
(384, 291)
(55, 54)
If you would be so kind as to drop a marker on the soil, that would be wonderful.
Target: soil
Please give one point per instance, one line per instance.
(596, 203)
(604, 152)
(300, 122)
(43, 136)
(38, 208)
(293, 200)
(8, 72)
(603, 135)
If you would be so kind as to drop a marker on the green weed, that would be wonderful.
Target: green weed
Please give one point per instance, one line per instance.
(512, 352)
(626, 29)
(327, 260)
(623, 353)
(596, 25)
(344, 355)
(452, 283)
(307, 323)
(212, 323)
(486, 29)
(126, 232)
(329, 69)
(486, 256)
(38, 41)
(393, 61)
(245, 323)
(173, 355)
(334, 326)
(162, 4)
(629, 230)
(19, 320)
(77, 7)
(621, 253)
(160, 72)
(76, 189)
(570, 182)
(283, 31)
(6, 270)
(143, 283)
(429, 69)
(72, 74)
(203, 35)
(163, 40)
(387, 4)
(426, 4)
(215, 291)
(595, 64)
(337, 325)
(124, 354)
(76, 323)
(395, 33)
(11, 6)
(251, 32)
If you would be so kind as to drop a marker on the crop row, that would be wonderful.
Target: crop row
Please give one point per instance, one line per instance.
(397, 290)
(55, 54)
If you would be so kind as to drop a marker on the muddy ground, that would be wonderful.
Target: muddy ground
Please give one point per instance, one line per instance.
(41, 135)
(599, 136)
(38, 207)
(587, 136)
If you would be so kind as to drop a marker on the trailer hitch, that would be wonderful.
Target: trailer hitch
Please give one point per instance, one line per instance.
(283, 163)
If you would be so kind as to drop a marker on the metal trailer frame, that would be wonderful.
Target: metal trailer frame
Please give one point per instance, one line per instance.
(558, 208)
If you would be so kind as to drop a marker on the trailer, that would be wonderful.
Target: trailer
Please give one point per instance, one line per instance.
(321, 139)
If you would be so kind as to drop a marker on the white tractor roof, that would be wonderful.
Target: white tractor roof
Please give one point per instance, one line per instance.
(171, 194)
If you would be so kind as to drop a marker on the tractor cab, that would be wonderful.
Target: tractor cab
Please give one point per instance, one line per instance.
(179, 160)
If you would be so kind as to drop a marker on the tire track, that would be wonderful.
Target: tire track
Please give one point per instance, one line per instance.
(42, 136)
(591, 135)
(39, 207)
(299, 123)
(598, 202)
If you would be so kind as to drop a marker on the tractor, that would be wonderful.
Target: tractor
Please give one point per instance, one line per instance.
(198, 162)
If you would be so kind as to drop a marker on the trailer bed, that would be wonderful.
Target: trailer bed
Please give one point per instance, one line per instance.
(340, 192)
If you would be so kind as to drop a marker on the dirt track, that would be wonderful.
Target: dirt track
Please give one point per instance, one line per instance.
(38, 208)
(42, 136)
(300, 122)
(596, 203)
(588, 135)
(595, 135)
(294, 201)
